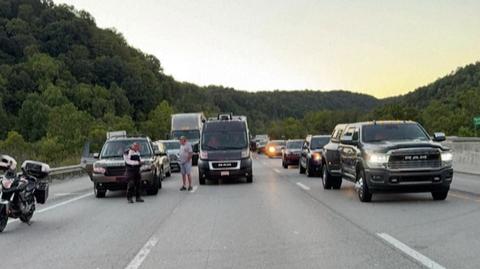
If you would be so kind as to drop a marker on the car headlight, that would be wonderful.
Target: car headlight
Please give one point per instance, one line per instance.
(245, 153)
(316, 156)
(203, 155)
(99, 169)
(146, 168)
(271, 149)
(377, 159)
(447, 158)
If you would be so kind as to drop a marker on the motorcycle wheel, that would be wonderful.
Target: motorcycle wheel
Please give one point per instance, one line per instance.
(25, 218)
(3, 221)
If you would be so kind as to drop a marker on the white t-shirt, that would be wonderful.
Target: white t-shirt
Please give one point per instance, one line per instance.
(185, 151)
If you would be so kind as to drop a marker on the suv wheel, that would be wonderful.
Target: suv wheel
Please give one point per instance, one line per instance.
(99, 193)
(337, 183)
(153, 190)
(309, 171)
(284, 164)
(249, 179)
(301, 169)
(326, 178)
(440, 195)
(364, 193)
(169, 173)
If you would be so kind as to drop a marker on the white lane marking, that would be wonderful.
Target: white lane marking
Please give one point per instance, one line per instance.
(305, 187)
(65, 202)
(58, 205)
(276, 170)
(410, 252)
(143, 253)
(194, 189)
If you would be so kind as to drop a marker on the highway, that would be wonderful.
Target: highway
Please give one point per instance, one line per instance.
(282, 220)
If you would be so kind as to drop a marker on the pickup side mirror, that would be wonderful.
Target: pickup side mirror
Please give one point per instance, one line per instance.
(439, 137)
(96, 155)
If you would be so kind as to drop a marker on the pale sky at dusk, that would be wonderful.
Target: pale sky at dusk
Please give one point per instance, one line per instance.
(377, 47)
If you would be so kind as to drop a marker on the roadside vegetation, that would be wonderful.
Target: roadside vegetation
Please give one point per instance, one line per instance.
(64, 81)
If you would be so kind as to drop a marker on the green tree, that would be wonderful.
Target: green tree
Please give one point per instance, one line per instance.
(33, 118)
(158, 124)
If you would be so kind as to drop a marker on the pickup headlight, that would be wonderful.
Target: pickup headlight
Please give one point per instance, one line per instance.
(447, 158)
(378, 160)
(245, 153)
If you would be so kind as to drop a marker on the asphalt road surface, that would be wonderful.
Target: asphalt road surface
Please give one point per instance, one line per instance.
(282, 220)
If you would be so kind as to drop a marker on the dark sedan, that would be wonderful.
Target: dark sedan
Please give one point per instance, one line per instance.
(291, 153)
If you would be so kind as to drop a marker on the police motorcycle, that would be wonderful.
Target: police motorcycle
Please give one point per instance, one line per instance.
(19, 192)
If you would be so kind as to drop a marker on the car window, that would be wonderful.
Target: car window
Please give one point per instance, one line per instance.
(115, 149)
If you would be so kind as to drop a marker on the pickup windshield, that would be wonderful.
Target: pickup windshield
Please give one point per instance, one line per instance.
(393, 132)
(224, 140)
(115, 149)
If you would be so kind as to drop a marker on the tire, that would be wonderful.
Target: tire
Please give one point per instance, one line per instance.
(364, 193)
(249, 179)
(201, 180)
(301, 169)
(3, 221)
(326, 178)
(337, 183)
(440, 195)
(27, 217)
(308, 170)
(169, 174)
(153, 190)
(285, 165)
(99, 193)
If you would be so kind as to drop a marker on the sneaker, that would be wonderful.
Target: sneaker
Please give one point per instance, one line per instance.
(183, 188)
(130, 200)
(139, 200)
(190, 188)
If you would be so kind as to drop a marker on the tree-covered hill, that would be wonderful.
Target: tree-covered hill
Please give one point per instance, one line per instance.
(63, 81)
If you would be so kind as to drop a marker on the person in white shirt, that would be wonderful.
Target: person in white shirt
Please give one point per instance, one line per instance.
(186, 154)
(133, 163)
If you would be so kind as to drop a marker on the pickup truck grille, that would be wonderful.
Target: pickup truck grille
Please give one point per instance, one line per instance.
(115, 171)
(415, 159)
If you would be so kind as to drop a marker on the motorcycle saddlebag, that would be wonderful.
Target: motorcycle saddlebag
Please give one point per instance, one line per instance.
(41, 192)
(36, 169)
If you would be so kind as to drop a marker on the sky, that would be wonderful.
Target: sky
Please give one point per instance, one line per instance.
(377, 47)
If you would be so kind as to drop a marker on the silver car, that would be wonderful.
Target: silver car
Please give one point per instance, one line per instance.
(173, 151)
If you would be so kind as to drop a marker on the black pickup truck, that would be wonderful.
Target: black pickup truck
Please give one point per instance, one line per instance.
(395, 156)
(331, 173)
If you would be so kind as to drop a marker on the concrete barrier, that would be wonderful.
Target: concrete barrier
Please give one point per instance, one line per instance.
(466, 154)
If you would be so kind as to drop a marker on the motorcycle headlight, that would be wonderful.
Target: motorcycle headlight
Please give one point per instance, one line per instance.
(377, 159)
(447, 158)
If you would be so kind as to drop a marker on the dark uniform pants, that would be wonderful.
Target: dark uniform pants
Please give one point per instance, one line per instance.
(134, 183)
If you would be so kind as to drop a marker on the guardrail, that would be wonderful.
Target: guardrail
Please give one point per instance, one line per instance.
(63, 172)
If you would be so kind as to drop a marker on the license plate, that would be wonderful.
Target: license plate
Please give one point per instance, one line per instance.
(224, 173)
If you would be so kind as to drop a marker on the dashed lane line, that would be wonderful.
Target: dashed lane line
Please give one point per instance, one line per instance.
(410, 252)
(303, 186)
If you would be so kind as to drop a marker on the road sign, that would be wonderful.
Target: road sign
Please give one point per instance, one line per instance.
(476, 121)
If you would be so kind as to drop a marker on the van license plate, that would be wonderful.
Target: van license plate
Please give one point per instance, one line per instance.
(224, 173)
